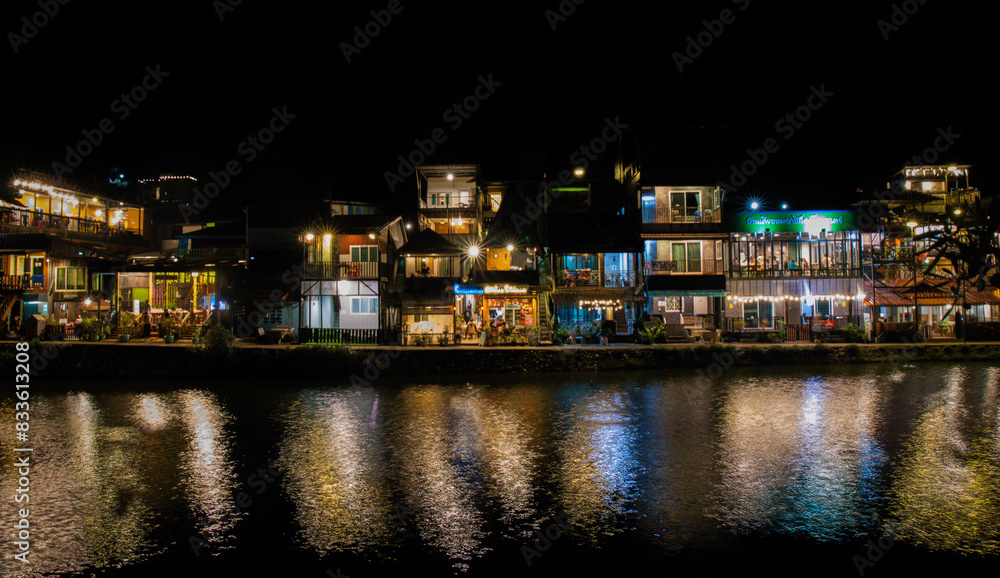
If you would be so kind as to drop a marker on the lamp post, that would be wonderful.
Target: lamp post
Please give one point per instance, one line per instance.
(912, 224)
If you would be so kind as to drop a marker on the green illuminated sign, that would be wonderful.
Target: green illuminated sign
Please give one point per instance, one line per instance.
(792, 222)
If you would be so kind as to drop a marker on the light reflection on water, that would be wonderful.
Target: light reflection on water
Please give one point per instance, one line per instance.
(466, 472)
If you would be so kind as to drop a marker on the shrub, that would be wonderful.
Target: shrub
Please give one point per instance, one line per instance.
(218, 341)
(854, 334)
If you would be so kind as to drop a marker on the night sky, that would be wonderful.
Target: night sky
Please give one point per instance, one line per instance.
(557, 87)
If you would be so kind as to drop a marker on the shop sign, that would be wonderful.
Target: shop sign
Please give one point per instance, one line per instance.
(806, 222)
(505, 289)
(467, 290)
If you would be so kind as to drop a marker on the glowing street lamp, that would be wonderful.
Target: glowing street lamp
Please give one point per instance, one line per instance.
(754, 205)
(473, 251)
(510, 248)
(578, 172)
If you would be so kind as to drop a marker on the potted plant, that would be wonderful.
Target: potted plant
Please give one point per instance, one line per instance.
(443, 339)
(167, 330)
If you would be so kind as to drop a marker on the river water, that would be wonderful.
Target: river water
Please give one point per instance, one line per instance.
(796, 471)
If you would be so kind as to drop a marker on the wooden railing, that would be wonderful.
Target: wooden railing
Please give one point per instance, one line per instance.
(39, 220)
(337, 270)
(16, 282)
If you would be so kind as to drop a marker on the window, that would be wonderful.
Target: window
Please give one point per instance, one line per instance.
(70, 279)
(685, 206)
(364, 305)
(687, 256)
(364, 253)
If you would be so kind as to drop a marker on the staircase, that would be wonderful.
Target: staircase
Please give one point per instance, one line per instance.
(545, 336)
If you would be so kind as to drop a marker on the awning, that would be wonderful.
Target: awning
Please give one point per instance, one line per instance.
(688, 293)
(571, 296)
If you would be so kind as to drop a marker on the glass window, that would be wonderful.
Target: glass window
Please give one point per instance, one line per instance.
(364, 253)
(70, 279)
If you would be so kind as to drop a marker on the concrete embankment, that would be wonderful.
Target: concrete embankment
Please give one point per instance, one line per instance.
(178, 362)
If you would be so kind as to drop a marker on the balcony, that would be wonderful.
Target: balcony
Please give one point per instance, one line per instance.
(15, 218)
(336, 270)
(444, 202)
(666, 215)
(693, 268)
(20, 282)
(588, 278)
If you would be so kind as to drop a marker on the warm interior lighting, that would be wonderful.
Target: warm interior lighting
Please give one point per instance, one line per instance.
(450, 177)
(310, 236)
(578, 172)
(371, 235)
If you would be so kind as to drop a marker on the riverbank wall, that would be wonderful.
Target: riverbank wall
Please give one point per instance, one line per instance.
(361, 365)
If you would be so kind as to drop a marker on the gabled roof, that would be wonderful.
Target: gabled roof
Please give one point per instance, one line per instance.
(429, 243)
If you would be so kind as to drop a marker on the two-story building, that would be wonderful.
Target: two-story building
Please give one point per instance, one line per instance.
(59, 246)
(789, 270)
(349, 275)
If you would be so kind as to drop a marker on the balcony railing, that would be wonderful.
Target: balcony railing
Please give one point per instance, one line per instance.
(47, 221)
(693, 267)
(336, 270)
(452, 203)
(653, 215)
(812, 271)
(887, 254)
(16, 282)
(214, 253)
(619, 279)
(588, 278)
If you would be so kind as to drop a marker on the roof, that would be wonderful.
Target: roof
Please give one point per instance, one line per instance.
(427, 242)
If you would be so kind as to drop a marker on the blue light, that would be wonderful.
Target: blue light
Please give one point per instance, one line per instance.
(465, 290)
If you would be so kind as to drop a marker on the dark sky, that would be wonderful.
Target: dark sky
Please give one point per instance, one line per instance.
(557, 87)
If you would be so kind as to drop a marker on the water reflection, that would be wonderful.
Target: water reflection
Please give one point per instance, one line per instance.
(209, 475)
(799, 457)
(333, 454)
(946, 494)
(596, 447)
(436, 446)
